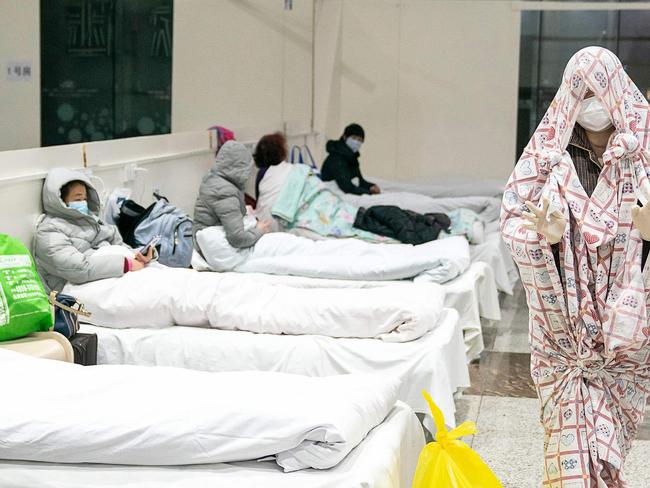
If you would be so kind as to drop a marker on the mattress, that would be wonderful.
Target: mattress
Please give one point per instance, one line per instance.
(435, 362)
(386, 458)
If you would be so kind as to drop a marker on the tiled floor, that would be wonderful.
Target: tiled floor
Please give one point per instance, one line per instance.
(503, 403)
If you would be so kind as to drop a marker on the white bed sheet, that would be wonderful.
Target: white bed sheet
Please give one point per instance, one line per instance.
(435, 362)
(386, 458)
(494, 253)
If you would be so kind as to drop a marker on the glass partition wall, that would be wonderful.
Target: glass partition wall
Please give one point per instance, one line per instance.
(550, 38)
(106, 69)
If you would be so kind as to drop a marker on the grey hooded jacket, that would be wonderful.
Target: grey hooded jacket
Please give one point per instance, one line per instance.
(221, 196)
(66, 240)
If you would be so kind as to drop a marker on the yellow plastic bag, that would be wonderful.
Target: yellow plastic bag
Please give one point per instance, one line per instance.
(450, 463)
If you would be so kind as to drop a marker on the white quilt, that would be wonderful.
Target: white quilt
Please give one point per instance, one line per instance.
(158, 296)
(65, 413)
(386, 458)
(347, 259)
(473, 295)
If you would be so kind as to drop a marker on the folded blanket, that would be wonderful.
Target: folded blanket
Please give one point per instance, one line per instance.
(65, 413)
(158, 296)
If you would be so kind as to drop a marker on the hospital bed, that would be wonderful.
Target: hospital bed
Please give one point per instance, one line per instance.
(446, 187)
(172, 427)
(435, 362)
(386, 458)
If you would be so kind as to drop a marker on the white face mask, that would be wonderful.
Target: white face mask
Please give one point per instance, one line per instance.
(353, 144)
(593, 115)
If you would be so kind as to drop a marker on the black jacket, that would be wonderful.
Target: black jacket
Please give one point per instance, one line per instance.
(405, 226)
(341, 165)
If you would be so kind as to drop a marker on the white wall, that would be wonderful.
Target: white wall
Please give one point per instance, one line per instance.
(174, 165)
(242, 64)
(20, 105)
(434, 83)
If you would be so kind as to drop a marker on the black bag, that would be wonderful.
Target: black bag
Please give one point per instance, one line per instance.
(171, 226)
(66, 316)
(85, 349)
(131, 214)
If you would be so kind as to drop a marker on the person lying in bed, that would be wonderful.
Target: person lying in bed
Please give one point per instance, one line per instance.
(342, 163)
(70, 232)
(221, 197)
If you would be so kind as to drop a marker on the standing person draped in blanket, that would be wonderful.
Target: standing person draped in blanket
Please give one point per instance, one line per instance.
(571, 219)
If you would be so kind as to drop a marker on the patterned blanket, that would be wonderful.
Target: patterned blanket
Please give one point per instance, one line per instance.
(305, 203)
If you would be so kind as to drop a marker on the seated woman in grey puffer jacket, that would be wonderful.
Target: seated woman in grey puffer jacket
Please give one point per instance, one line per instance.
(221, 197)
(71, 232)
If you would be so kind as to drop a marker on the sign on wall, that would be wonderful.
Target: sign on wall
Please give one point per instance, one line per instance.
(19, 71)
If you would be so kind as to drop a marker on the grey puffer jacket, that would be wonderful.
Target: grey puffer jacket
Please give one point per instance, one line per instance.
(221, 196)
(66, 240)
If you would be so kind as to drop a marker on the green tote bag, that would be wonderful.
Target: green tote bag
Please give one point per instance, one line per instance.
(24, 305)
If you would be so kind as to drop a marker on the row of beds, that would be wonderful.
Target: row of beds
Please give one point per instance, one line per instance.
(436, 362)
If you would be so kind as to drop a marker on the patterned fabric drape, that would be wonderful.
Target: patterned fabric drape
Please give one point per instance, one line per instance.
(589, 327)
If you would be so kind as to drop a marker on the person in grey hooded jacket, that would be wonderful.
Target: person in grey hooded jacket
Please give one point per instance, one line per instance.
(70, 233)
(221, 197)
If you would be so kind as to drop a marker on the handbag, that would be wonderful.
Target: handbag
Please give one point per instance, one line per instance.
(66, 316)
(302, 155)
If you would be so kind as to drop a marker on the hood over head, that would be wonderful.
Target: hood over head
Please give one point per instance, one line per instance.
(54, 205)
(338, 146)
(233, 163)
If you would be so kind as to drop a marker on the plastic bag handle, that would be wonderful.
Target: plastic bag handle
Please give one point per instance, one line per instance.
(442, 435)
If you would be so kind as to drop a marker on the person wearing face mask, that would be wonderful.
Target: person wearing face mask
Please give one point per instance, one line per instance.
(342, 163)
(589, 140)
(70, 233)
(572, 220)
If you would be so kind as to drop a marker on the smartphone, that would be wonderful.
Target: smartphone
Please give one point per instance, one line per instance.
(153, 242)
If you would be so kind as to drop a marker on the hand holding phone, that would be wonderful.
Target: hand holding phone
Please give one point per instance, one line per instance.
(152, 243)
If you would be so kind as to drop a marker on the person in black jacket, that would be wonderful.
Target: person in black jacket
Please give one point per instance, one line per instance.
(342, 162)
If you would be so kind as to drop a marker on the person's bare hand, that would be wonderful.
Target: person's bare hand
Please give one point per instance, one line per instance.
(144, 258)
(552, 229)
(136, 265)
(375, 190)
(264, 226)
